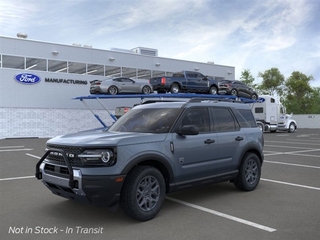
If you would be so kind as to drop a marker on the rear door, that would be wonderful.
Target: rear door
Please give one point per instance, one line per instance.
(230, 138)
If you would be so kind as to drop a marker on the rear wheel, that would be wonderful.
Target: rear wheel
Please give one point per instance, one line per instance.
(143, 193)
(174, 88)
(146, 90)
(249, 173)
(113, 90)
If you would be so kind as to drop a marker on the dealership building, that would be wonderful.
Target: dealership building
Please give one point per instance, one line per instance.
(38, 81)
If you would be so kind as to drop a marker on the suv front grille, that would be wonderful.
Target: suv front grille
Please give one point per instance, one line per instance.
(71, 152)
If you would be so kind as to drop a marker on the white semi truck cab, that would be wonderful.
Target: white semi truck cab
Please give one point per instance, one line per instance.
(271, 115)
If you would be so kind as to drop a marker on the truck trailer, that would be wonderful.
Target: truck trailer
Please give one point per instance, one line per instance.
(271, 115)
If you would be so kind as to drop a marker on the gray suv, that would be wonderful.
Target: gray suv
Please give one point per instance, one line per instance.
(155, 149)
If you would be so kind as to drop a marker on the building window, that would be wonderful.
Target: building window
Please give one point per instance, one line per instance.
(77, 68)
(129, 72)
(12, 62)
(57, 66)
(95, 69)
(144, 74)
(111, 71)
(36, 64)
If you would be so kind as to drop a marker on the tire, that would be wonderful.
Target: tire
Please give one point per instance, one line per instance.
(174, 88)
(254, 97)
(143, 193)
(213, 90)
(249, 173)
(292, 128)
(113, 90)
(234, 92)
(146, 90)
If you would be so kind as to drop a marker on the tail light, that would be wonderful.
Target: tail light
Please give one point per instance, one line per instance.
(163, 81)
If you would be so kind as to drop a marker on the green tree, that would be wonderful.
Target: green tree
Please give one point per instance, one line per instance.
(272, 82)
(300, 96)
(247, 78)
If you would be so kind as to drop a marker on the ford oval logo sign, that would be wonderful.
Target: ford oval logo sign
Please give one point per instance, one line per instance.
(27, 78)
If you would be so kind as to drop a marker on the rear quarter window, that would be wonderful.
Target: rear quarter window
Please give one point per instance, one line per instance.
(245, 118)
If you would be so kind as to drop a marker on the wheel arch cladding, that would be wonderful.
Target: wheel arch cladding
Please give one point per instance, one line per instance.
(155, 161)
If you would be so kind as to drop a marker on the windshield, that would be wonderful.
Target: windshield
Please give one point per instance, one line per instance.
(146, 120)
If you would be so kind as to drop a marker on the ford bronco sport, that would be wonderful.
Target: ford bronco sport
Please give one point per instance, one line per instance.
(155, 149)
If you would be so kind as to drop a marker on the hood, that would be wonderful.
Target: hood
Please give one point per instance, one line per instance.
(106, 138)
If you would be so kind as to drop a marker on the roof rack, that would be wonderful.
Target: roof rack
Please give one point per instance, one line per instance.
(193, 97)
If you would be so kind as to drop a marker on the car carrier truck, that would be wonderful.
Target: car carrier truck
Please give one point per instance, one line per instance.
(271, 115)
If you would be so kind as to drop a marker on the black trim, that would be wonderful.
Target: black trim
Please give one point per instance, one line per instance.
(204, 181)
(72, 182)
(149, 157)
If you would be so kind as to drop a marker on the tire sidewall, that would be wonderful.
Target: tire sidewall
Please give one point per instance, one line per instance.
(113, 92)
(148, 91)
(241, 181)
(215, 90)
(234, 92)
(136, 211)
(173, 87)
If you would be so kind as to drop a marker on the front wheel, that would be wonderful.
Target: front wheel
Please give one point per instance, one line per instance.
(143, 193)
(292, 128)
(249, 173)
(213, 90)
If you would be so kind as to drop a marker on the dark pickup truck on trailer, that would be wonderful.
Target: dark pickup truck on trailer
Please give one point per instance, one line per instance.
(185, 81)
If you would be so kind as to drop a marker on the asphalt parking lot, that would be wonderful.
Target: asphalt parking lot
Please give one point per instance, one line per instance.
(286, 204)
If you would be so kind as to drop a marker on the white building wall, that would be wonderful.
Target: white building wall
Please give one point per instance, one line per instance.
(47, 109)
(307, 120)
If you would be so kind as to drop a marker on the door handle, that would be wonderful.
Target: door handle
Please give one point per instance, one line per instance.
(209, 141)
(239, 138)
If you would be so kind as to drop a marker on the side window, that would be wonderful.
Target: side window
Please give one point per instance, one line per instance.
(258, 110)
(223, 120)
(198, 117)
(245, 118)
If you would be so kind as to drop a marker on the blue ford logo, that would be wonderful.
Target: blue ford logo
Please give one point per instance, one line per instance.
(27, 78)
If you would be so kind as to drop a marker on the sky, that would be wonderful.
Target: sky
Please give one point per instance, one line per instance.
(247, 34)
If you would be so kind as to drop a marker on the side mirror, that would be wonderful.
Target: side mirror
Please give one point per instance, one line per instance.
(205, 78)
(188, 130)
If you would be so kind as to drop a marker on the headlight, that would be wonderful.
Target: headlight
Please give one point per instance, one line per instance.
(102, 157)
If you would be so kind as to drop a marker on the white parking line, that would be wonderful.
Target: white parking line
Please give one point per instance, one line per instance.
(34, 156)
(293, 164)
(294, 153)
(16, 150)
(290, 184)
(252, 224)
(300, 143)
(13, 147)
(15, 178)
(279, 146)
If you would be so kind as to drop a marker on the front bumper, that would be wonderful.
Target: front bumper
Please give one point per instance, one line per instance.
(97, 190)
